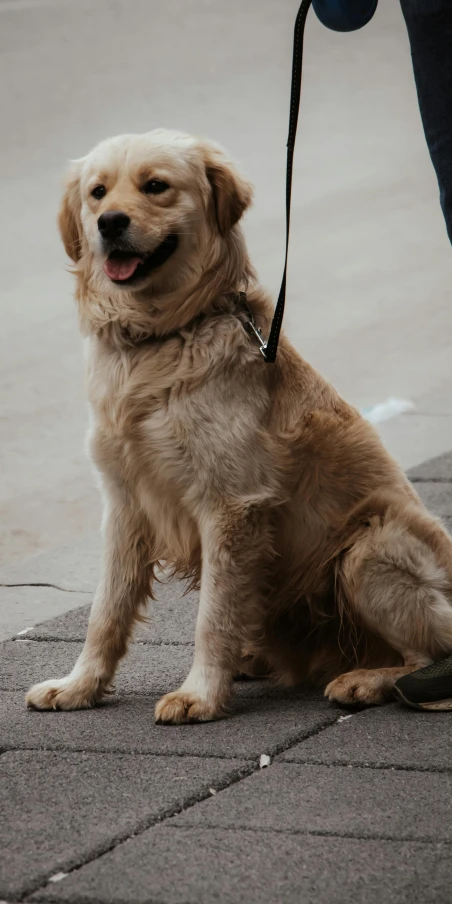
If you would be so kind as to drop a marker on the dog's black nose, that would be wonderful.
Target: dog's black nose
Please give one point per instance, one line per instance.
(112, 224)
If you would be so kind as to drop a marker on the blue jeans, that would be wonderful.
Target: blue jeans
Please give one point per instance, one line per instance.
(429, 24)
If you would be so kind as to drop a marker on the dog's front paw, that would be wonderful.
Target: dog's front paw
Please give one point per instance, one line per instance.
(360, 687)
(65, 693)
(181, 707)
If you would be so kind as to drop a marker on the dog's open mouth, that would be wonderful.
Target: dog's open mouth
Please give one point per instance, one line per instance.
(130, 266)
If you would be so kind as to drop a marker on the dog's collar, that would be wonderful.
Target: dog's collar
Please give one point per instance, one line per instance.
(238, 299)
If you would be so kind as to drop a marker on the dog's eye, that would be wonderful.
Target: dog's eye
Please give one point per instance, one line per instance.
(155, 187)
(98, 192)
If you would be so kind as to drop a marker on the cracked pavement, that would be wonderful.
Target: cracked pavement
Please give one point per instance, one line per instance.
(103, 806)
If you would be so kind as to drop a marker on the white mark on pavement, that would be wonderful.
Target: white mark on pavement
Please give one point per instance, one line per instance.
(264, 761)
(25, 631)
(212, 791)
(57, 877)
(384, 411)
(343, 718)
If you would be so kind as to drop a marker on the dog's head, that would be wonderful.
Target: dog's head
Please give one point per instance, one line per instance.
(144, 211)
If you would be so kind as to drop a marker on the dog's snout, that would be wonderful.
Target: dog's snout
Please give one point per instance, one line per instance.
(112, 224)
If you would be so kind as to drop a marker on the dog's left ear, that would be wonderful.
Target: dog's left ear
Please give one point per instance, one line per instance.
(69, 221)
(232, 193)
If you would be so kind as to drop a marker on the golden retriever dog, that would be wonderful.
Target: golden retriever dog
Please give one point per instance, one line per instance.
(316, 559)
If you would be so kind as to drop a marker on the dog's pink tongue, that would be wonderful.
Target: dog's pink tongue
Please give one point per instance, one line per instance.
(121, 269)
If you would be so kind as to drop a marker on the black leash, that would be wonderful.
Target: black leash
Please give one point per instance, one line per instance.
(270, 347)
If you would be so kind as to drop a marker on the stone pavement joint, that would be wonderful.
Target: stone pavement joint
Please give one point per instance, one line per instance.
(190, 866)
(176, 809)
(226, 782)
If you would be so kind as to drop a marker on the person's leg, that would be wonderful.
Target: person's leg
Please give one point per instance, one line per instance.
(429, 24)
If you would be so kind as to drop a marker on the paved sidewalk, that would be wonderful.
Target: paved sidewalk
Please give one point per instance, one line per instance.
(105, 807)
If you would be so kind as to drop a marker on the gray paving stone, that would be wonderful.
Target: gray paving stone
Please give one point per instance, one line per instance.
(169, 865)
(439, 468)
(146, 668)
(58, 809)
(368, 803)
(24, 662)
(437, 497)
(70, 567)
(126, 725)
(172, 619)
(71, 626)
(67, 627)
(387, 736)
(24, 607)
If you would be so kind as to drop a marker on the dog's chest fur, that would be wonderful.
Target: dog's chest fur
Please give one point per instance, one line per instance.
(176, 437)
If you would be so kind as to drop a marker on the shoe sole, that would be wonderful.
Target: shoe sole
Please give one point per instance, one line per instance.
(438, 706)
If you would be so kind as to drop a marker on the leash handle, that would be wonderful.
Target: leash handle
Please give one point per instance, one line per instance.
(270, 347)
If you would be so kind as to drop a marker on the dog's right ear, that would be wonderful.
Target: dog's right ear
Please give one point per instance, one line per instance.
(232, 193)
(69, 221)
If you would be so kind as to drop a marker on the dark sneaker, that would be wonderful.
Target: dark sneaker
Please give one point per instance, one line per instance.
(428, 688)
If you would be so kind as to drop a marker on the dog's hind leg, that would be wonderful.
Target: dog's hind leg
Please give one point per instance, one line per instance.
(398, 585)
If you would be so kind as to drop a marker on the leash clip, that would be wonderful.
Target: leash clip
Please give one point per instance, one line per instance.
(259, 337)
(250, 323)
